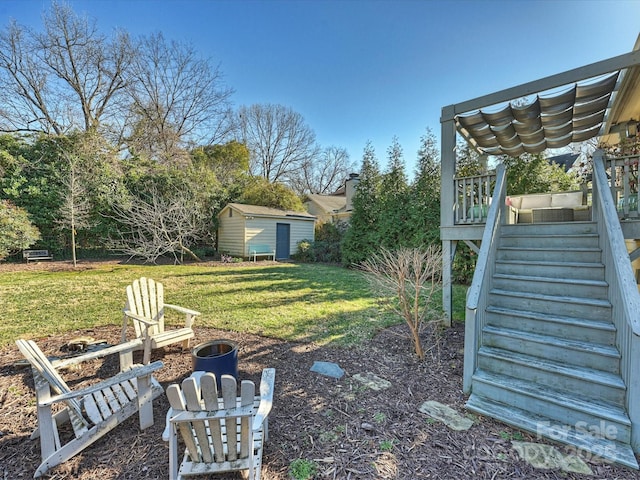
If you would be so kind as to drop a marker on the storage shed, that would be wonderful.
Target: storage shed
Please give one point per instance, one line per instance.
(243, 227)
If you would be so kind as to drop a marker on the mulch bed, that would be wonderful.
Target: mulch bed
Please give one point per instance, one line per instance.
(340, 424)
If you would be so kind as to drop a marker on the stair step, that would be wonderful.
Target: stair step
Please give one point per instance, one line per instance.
(557, 349)
(608, 449)
(548, 285)
(560, 407)
(602, 332)
(567, 306)
(580, 380)
(561, 241)
(581, 270)
(546, 229)
(536, 254)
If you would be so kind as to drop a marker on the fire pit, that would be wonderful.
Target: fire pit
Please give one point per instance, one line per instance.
(219, 357)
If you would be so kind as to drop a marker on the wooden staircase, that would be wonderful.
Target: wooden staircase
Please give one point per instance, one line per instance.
(547, 360)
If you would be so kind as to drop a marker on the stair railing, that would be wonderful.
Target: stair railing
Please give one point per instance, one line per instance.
(478, 292)
(623, 291)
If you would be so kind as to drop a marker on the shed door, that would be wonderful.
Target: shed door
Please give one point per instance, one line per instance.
(283, 237)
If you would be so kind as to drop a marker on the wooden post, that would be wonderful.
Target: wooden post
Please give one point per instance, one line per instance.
(447, 202)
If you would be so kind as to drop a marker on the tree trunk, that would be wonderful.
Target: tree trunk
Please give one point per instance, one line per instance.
(190, 253)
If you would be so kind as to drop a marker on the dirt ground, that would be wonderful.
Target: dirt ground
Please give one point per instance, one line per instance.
(350, 431)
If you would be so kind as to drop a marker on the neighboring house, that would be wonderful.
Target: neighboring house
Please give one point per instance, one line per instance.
(242, 226)
(552, 317)
(336, 206)
(565, 161)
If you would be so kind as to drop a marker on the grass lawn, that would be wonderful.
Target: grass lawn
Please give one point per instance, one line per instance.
(302, 302)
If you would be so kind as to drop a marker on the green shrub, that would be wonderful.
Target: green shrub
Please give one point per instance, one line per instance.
(304, 253)
(326, 247)
(303, 469)
(16, 230)
(464, 264)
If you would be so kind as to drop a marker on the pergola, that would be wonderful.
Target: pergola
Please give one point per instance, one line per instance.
(597, 100)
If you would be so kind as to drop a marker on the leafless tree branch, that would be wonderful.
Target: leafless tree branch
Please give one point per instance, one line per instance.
(410, 277)
(159, 225)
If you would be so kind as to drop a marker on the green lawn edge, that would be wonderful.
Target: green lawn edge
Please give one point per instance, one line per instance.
(294, 302)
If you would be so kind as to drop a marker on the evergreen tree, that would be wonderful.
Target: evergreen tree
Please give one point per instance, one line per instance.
(535, 174)
(424, 201)
(362, 238)
(393, 217)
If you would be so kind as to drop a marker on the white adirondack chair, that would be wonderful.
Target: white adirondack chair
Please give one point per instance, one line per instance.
(145, 308)
(220, 434)
(92, 411)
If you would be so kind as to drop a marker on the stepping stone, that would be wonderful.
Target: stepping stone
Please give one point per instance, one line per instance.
(372, 381)
(446, 415)
(546, 457)
(328, 369)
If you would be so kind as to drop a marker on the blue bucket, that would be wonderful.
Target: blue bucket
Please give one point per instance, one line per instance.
(219, 357)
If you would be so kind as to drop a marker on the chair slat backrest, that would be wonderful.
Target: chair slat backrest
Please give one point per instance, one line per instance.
(41, 363)
(145, 297)
(43, 368)
(214, 439)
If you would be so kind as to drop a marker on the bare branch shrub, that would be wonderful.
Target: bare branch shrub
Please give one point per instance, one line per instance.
(408, 277)
(159, 225)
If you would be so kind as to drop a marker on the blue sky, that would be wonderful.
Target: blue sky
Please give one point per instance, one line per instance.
(369, 70)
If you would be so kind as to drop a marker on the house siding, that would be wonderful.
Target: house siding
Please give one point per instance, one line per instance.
(260, 231)
(231, 230)
(300, 230)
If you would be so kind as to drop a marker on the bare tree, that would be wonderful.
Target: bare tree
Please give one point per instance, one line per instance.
(70, 77)
(178, 99)
(409, 277)
(65, 78)
(75, 210)
(160, 225)
(323, 174)
(279, 140)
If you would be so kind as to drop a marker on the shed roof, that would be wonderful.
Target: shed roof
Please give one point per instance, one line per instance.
(260, 211)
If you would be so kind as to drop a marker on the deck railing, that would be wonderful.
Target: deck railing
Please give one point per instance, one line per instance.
(623, 292)
(478, 292)
(473, 198)
(623, 182)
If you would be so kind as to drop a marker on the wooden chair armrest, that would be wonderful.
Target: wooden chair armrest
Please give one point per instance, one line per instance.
(180, 309)
(190, 314)
(146, 320)
(135, 372)
(121, 347)
(266, 398)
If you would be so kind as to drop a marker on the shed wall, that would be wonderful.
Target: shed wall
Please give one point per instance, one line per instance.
(231, 234)
(263, 231)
